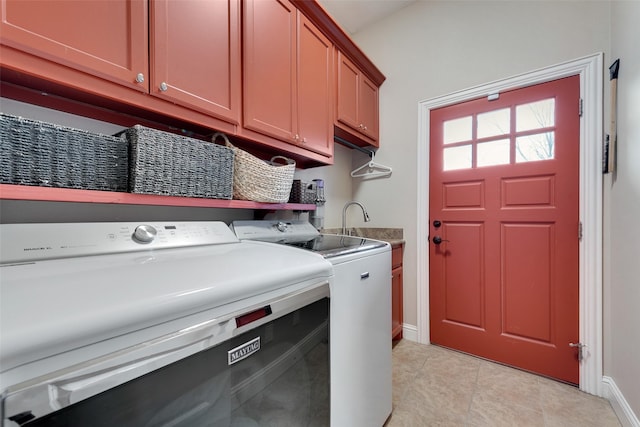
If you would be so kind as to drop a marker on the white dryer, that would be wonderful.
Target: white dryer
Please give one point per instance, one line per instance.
(160, 324)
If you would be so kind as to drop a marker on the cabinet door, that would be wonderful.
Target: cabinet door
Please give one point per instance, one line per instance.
(195, 55)
(347, 99)
(104, 38)
(396, 303)
(396, 292)
(357, 101)
(315, 83)
(368, 108)
(270, 68)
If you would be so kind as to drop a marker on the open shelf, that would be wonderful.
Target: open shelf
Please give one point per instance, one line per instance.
(47, 194)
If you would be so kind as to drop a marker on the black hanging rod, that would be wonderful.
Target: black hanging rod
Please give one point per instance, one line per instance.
(343, 141)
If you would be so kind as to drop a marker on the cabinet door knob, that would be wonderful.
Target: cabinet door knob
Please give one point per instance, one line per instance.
(163, 86)
(140, 78)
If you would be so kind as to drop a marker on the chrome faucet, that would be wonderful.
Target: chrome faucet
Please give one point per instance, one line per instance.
(344, 215)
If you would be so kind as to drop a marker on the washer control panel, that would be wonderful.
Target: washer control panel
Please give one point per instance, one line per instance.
(31, 242)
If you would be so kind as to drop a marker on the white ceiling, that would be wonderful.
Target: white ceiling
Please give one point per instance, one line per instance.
(353, 15)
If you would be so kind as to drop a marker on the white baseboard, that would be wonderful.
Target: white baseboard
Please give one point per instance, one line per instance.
(619, 403)
(410, 332)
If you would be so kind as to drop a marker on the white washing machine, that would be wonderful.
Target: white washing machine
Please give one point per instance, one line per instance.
(360, 316)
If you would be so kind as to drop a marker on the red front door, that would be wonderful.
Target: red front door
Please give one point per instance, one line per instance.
(503, 227)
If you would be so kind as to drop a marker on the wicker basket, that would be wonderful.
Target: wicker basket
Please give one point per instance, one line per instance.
(257, 180)
(44, 154)
(175, 165)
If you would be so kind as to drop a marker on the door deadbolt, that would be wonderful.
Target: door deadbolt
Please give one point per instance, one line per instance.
(437, 223)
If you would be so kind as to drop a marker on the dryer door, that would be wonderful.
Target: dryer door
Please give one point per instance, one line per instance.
(263, 363)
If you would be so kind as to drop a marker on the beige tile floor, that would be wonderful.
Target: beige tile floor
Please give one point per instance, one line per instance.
(433, 386)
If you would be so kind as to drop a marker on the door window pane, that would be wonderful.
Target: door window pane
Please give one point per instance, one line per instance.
(493, 153)
(457, 130)
(535, 115)
(457, 157)
(540, 146)
(494, 123)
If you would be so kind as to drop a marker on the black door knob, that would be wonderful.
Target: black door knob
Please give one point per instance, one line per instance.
(437, 240)
(437, 223)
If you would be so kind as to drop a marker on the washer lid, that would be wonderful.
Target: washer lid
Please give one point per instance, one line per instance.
(303, 235)
(52, 306)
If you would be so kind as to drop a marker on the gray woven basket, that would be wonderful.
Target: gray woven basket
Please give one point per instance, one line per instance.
(257, 180)
(44, 154)
(175, 165)
(302, 192)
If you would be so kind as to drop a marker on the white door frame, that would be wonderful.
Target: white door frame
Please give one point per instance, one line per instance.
(590, 211)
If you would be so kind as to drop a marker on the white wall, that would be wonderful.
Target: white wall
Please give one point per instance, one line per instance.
(337, 183)
(622, 229)
(433, 48)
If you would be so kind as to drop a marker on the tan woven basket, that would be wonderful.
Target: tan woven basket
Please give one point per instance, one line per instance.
(257, 180)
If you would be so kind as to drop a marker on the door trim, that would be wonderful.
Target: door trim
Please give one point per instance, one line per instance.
(590, 69)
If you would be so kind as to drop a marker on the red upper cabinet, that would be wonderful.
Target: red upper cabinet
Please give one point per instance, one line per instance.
(287, 76)
(356, 102)
(315, 88)
(185, 52)
(270, 68)
(195, 55)
(104, 38)
(368, 108)
(262, 70)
